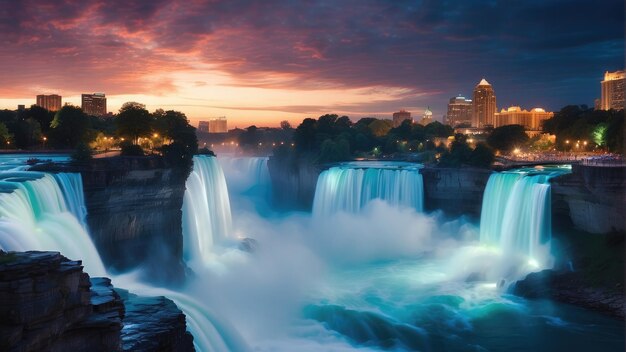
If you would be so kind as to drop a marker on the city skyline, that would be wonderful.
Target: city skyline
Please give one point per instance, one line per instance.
(304, 60)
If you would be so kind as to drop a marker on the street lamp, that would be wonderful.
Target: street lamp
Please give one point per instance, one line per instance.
(44, 142)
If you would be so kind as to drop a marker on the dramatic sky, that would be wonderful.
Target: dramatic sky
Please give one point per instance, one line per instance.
(264, 61)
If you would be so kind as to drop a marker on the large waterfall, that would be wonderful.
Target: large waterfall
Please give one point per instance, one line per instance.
(40, 211)
(37, 213)
(516, 212)
(350, 186)
(244, 173)
(206, 209)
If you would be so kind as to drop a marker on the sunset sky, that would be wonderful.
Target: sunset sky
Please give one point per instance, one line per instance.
(260, 62)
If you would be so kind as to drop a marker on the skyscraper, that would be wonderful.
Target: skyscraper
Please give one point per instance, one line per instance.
(613, 90)
(49, 102)
(214, 125)
(459, 112)
(401, 116)
(484, 105)
(94, 104)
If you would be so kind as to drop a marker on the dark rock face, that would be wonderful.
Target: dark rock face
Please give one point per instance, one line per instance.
(134, 213)
(567, 287)
(154, 324)
(46, 305)
(456, 191)
(293, 182)
(592, 198)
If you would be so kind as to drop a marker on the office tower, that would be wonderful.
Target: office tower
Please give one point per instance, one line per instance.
(484, 105)
(612, 96)
(94, 104)
(49, 102)
(459, 112)
(401, 116)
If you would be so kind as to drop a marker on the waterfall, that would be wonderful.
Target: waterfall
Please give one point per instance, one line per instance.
(516, 213)
(72, 188)
(350, 186)
(37, 214)
(40, 211)
(206, 209)
(244, 173)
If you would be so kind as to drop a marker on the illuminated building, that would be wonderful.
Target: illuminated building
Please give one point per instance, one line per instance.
(49, 102)
(613, 90)
(514, 115)
(401, 116)
(94, 104)
(427, 117)
(459, 112)
(214, 125)
(484, 105)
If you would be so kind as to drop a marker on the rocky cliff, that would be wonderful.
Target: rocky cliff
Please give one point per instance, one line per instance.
(134, 213)
(592, 197)
(293, 182)
(456, 191)
(47, 303)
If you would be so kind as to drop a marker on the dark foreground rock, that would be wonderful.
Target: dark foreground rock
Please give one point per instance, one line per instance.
(154, 324)
(47, 303)
(568, 287)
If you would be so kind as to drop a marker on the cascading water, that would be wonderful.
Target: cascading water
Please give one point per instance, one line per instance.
(206, 210)
(37, 214)
(244, 173)
(40, 211)
(350, 186)
(516, 212)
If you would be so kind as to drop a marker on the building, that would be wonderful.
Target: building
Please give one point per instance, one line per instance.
(427, 117)
(459, 112)
(49, 102)
(94, 104)
(484, 105)
(612, 96)
(531, 120)
(21, 107)
(401, 116)
(214, 125)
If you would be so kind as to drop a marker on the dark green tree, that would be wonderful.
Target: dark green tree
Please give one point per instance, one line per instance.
(134, 121)
(69, 127)
(305, 135)
(506, 138)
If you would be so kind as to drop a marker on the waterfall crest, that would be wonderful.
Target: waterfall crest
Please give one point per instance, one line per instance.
(244, 173)
(516, 212)
(350, 186)
(206, 209)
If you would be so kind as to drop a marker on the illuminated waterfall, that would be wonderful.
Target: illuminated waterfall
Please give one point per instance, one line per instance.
(40, 211)
(244, 173)
(206, 209)
(36, 214)
(350, 186)
(516, 212)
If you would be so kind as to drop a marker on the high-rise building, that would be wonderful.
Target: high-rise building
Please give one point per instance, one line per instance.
(484, 105)
(401, 116)
(459, 112)
(50, 102)
(94, 104)
(427, 117)
(214, 125)
(613, 90)
(514, 115)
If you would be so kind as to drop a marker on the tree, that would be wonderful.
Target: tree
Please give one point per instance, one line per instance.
(482, 156)
(437, 129)
(285, 125)
(4, 134)
(250, 138)
(506, 138)
(133, 121)
(305, 135)
(70, 126)
(380, 128)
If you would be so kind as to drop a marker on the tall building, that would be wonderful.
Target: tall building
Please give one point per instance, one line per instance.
(514, 115)
(427, 117)
(50, 102)
(401, 116)
(484, 105)
(214, 125)
(94, 104)
(459, 112)
(613, 90)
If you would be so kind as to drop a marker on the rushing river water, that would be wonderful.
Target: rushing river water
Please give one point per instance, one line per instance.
(374, 273)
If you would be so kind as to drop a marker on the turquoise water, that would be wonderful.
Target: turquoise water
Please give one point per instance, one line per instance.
(18, 161)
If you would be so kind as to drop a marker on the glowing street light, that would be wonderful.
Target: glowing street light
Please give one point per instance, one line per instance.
(156, 135)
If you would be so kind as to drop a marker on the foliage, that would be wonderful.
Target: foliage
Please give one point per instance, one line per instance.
(506, 138)
(133, 121)
(250, 138)
(130, 149)
(4, 134)
(334, 151)
(82, 153)
(206, 151)
(482, 156)
(285, 125)
(462, 154)
(603, 129)
(70, 127)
